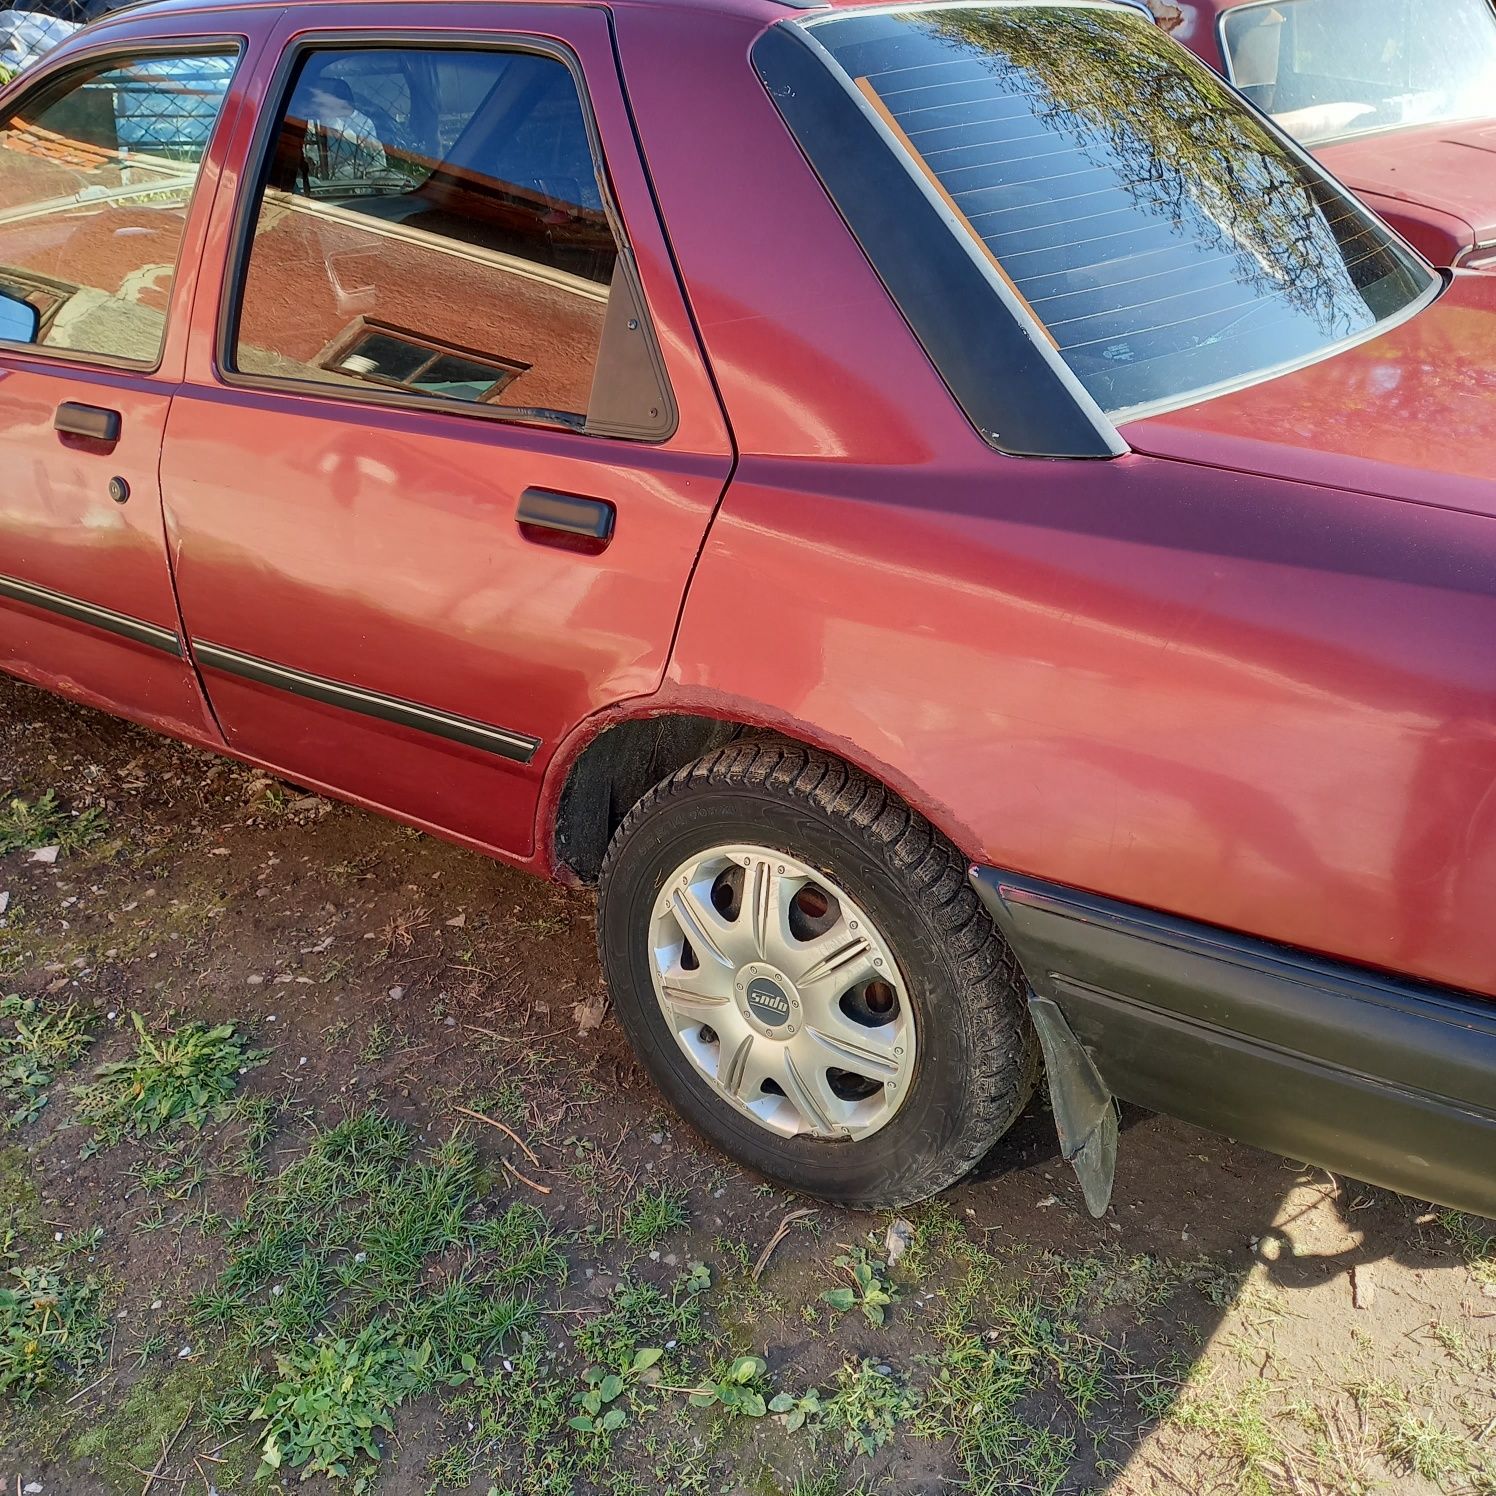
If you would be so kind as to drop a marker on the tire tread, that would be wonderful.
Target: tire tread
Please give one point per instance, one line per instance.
(917, 856)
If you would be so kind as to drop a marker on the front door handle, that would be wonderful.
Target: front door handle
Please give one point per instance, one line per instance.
(92, 421)
(564, 514)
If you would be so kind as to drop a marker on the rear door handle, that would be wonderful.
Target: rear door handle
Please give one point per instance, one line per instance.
(566, 514)
(92, 421)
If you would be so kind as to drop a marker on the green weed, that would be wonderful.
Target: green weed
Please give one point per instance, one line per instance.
(329, 1399)
(1476, 1245)
(41, 1044)
(51, 1328)
(44, 823)
(601, 1411)
(737, 1389)
(186, 1076)
(865, 1404)
(868, 1288)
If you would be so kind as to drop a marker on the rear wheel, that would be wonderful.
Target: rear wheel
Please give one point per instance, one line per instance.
(802, 966)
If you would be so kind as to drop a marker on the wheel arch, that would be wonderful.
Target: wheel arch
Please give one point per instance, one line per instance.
(611, 760)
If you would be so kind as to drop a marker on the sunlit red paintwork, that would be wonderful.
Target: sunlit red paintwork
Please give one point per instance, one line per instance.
(1435, 184)
(1242, 673)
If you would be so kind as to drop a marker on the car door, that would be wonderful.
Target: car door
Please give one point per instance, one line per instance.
(435, 489)
(100, 206)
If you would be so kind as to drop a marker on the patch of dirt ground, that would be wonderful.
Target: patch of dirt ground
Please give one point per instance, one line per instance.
(375, 1189)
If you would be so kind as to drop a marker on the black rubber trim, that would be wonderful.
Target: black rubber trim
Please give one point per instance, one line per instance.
(498, 740)
(92, 614)
(566, 512)
(1389, 1080)
(991, 364)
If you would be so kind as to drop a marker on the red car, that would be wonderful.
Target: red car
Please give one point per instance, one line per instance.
(964, 537)
(1396, 97)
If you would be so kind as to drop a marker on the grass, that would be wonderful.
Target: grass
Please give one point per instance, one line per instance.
(184, 1077)
(653, 1214)
(640, 1313)
(370, 1274)
(518, 1417)
(40, 1044)
(28, 824)
(1474, 1243)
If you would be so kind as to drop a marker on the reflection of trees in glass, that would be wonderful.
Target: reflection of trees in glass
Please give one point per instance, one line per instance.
(1182, 147)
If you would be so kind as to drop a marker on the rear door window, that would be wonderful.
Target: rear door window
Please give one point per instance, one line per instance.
(431, 223)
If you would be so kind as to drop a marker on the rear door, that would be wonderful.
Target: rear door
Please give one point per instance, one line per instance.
(436, 484)
(102, 198)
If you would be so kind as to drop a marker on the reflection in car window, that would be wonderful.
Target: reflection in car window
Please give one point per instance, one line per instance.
(1168, 241)
(432, 223)
(1327, 68)
(96, 173)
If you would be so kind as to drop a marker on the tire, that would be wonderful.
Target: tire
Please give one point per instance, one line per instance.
(975, 1057)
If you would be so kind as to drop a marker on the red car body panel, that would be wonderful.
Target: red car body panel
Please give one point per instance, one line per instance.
(1214, 676)
(1435, 184)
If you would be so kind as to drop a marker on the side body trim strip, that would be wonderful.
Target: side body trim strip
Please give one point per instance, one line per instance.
(123, 624)
(500, 740)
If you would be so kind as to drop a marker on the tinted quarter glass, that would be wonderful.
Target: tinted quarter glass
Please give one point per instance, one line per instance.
(1164, 236)
(431, 223)
(97, 170)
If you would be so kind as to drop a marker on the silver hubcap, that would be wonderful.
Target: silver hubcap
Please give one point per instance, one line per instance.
(782, 994)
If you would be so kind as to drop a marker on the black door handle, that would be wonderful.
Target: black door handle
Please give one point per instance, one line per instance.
(92, 421)
(588, 519)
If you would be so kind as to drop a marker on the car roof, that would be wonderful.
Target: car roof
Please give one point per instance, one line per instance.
(761, 10)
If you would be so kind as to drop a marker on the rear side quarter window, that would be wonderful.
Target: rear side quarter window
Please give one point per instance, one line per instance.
(1159, 236)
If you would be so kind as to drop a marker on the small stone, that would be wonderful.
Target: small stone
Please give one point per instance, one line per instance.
(302, 1060)
(450, 1021)
(32, 1488)
(155, 1303)
(255, 980)
(397, 993)
(457, 924)
(657, 1138)
(183, 1354)
(899, 1239)
(45, 854)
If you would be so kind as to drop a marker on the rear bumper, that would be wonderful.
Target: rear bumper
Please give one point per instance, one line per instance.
(1392, 1082)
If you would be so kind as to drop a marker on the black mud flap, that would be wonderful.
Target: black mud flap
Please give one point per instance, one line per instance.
(1084, 1112)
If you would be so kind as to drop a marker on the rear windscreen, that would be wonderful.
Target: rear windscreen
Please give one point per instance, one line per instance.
(1161, 232)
